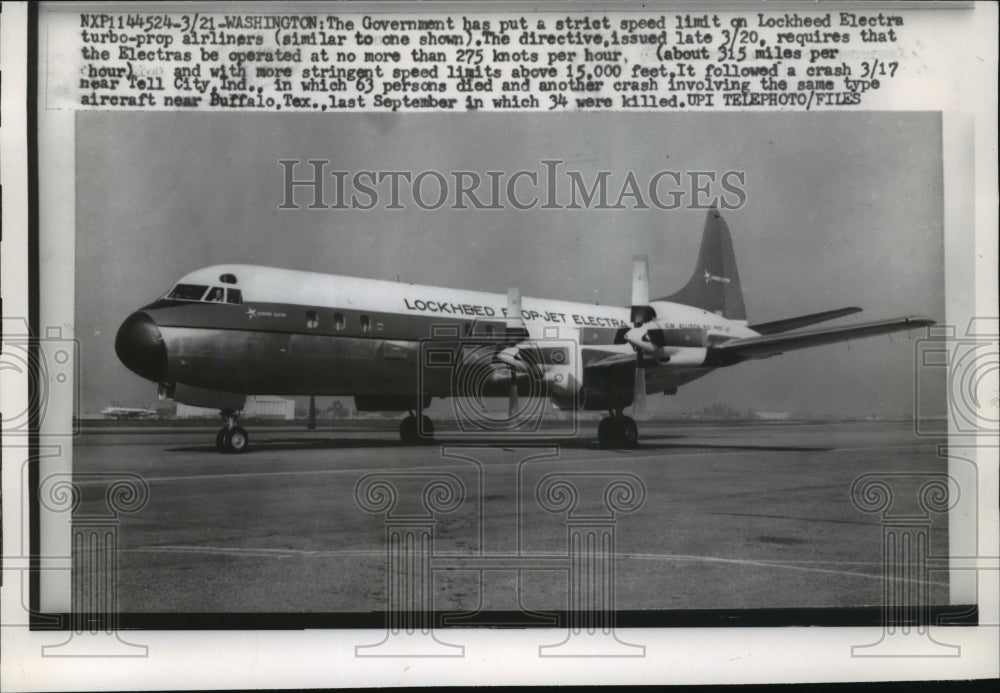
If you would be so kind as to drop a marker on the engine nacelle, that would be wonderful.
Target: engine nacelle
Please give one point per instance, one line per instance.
(682, 356)
(564, 388)
(679, 337)
(569, 394)
(590, 399)
(678, 346)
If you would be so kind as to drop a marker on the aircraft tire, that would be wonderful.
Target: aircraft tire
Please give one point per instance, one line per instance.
(604, 433)
(408, 430)
(220, 440)
(428, 428)
(236, 440)
(630, 432)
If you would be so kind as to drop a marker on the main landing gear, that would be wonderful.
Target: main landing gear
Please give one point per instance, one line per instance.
(617, 431)
(410, 433)
(231, 438)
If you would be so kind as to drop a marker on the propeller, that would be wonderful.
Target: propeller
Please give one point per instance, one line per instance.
(642, 312)
(509, 356)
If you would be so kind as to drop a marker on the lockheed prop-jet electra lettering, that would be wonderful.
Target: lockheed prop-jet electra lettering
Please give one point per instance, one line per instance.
(226, 332)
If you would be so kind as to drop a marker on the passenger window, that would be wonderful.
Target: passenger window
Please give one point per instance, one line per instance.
(216, 295)
(188, 292)
(234, 296)
(366, 323)
(312, 319)
(338, 321)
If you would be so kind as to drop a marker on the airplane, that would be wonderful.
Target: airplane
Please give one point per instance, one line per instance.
(127, 413)
(224, 332)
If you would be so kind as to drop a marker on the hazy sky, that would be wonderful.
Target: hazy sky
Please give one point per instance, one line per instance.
(842, 209)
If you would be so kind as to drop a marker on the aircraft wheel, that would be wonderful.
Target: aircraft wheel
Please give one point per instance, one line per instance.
(427, 424)
(220, 440)
(236, 439)
(630, 432)
(604, 433)
(408, 430)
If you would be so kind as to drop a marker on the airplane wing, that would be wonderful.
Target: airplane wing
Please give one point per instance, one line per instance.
(772, 344)
(618, 370)
(615, 368)
(802, 321)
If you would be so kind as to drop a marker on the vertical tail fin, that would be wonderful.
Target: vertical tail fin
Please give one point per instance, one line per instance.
(715, 284)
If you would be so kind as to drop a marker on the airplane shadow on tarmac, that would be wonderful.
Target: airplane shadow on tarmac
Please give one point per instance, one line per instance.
(581, 443)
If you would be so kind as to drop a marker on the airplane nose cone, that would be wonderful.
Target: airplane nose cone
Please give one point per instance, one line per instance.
(140, 347)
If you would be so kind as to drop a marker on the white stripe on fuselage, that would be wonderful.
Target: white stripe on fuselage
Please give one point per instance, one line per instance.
(294, 287)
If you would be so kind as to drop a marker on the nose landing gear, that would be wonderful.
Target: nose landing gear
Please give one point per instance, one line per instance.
(231, 438)
(617, 431)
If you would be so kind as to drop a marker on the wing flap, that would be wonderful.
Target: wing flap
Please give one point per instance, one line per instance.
(770, 345)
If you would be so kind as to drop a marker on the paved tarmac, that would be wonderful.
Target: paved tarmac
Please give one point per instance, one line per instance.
(729, 517)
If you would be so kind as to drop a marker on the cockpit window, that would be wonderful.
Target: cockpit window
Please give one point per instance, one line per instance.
(188, 292)
(198, 292)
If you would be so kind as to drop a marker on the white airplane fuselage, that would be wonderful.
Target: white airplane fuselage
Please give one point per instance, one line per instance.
(288, 332)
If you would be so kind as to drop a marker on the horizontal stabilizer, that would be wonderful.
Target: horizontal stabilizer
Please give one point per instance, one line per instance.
(770, 345)
(802, 321)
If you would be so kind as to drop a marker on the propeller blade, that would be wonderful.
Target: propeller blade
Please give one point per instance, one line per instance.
(510, 356)
(512, 400)
(514, 328)
(640, 280)
(641, 310)
(637, 337)
(639, 396)
(514, 320)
